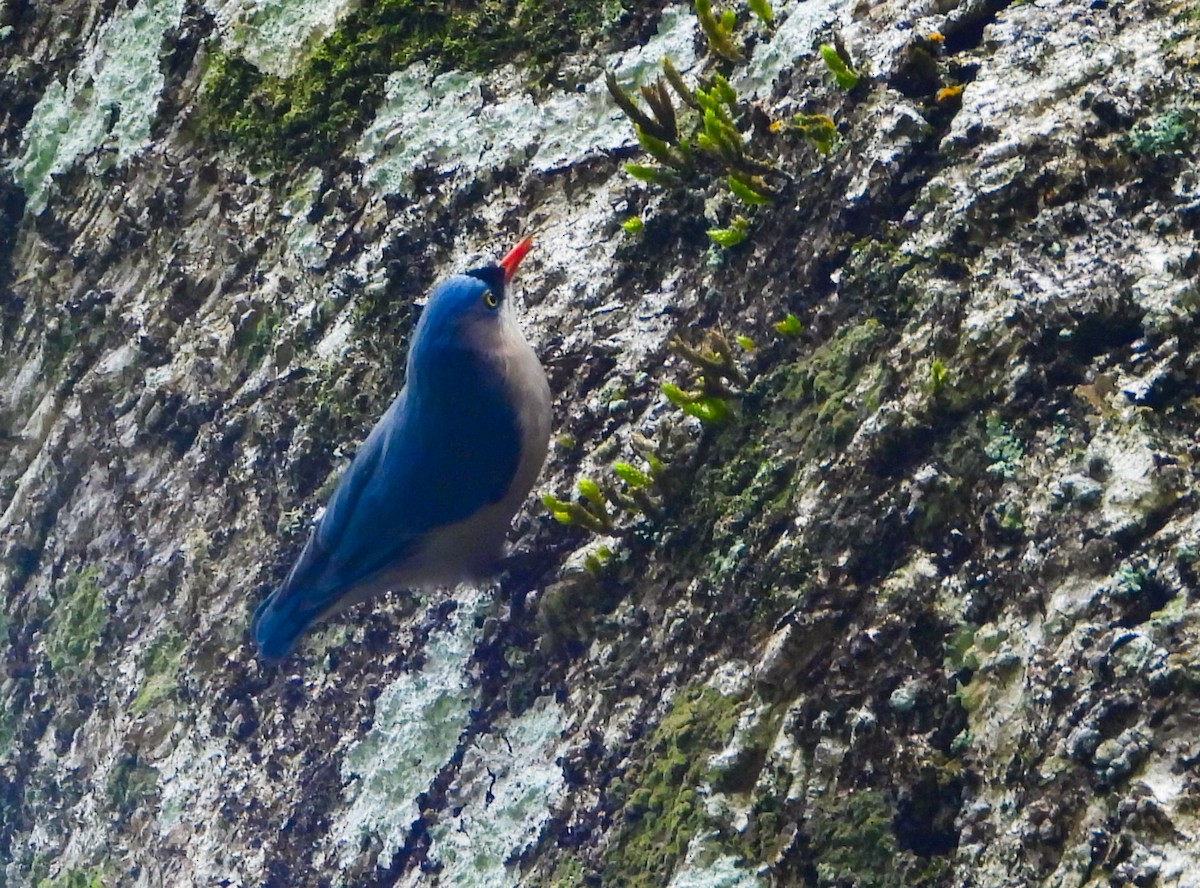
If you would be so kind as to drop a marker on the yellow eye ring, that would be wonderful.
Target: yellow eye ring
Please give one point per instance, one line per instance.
(489, 299)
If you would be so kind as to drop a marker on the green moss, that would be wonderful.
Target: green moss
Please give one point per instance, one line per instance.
(77, 623)
(797, 411)
(952, 501)
(35, 867)
(754, 485)
(663, 807)
(131, 785)
(567, 611)
(959, 647)
(76, 878)
(828, 385)
(229, 83)
(341, 407)
(737, 774)
(568, 874)
(843, 74)
(160, 664)
(1012, 518)
(794, 413)
(876, 276)
(939, 376)
(852, 843)
(61, 336)
(259, 337)
(335, 91)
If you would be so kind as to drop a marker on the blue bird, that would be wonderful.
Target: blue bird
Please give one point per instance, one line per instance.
(428, 499)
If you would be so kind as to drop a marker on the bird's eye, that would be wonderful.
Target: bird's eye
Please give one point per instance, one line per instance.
(489, 299)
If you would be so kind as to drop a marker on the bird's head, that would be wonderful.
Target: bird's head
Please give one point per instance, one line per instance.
(467, 310)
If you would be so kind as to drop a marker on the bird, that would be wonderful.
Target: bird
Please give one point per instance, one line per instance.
(428, 499)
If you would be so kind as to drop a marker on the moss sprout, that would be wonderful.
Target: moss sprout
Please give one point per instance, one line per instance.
(700, 134)
(730, 237)
(602, 503)
(949, 94)
(706, 408)
(790, 326)
(597, 561)
(631, 475)
(664, 152)
(658, 131)
(718, 31)
(762, 9)
(1012, 518)
(591, 512)
(939, 376)
(714, 372)
(650, 174)
(714, 359)
(746, 193)
(844, 75)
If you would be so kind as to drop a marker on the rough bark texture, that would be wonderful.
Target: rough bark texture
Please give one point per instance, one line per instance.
(921, 612)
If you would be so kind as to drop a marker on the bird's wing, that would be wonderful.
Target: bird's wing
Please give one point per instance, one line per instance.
(359, 534)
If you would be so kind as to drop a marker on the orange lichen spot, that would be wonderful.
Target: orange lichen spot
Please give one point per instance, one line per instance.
(948, 93)
(935, 37)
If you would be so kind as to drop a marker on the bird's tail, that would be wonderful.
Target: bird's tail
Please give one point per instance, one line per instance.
(280, 621)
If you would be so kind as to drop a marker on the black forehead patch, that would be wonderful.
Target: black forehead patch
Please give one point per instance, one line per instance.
(493, 276)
